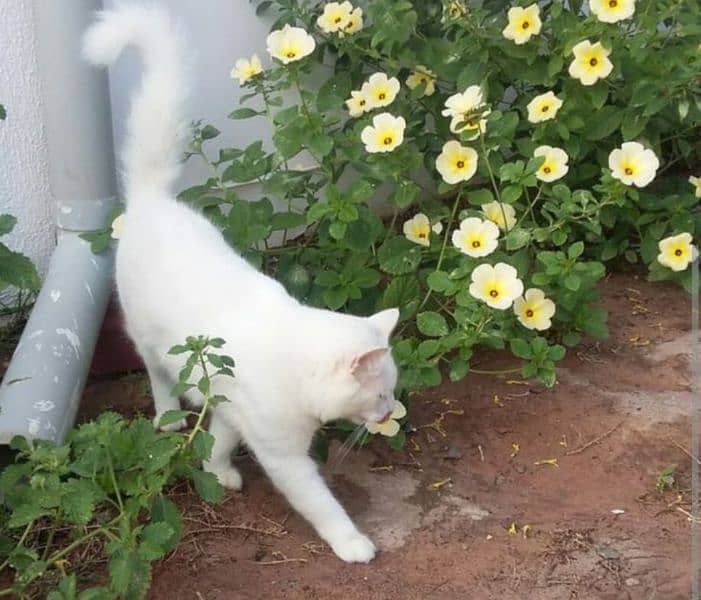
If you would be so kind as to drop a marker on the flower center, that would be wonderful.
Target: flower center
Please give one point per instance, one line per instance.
(337, 20)
(525, 25)
(476, 244)
(628, 171)
(547, 169)
(387, 141)
(678, 252)
(460, 164)
(593, 62)
(493, 293)
(362, 103)
(613, 3)
(546, 108)
(381, 96)
(291, 54)
(422, 235)
(529, 313)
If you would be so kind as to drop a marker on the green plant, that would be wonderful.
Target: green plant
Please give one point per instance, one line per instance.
(15, 268)
(531, 146)
(666, 480)
(107, 483)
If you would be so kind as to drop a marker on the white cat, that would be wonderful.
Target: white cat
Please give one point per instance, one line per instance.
(296, 367)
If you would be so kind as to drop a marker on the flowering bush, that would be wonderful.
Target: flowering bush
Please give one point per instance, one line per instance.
(516, 150)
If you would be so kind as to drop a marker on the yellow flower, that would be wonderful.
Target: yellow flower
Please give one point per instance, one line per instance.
(496, 285)
(355, 22)
(476, 237)
(590, 62)
(456, 163)
(498, 211)
(418, 229)
(696, 182)
(335, 17)
(634, 164)
(467, 111)
(677, 251)
(390, 427)
(357, 104)
(423, 75)
(523, 24)
(555, 165)
(612, 11)
(534, 310)
(454, 9)
(380, 90)
(543, 107)
(118, 227)
(244, 69)
(385, 133)
(290, 44)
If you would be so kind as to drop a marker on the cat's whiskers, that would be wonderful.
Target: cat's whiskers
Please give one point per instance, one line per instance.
(355, 438)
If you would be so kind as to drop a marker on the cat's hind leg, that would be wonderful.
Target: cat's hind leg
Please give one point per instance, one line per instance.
(226, 440)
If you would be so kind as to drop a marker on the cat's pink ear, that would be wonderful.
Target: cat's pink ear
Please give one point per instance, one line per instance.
(368, 363)
(386, 320)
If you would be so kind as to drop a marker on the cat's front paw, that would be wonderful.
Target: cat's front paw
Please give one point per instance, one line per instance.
(229, 477)
(355, 548)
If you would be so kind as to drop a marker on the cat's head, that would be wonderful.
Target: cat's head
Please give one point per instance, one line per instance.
(361, 384)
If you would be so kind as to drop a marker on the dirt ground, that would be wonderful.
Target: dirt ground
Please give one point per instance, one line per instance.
(571, 471)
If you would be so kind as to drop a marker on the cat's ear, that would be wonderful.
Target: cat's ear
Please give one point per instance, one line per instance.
(386, 320)
(368, 363)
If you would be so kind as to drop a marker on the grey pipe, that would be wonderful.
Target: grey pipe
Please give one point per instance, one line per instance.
(43, 385)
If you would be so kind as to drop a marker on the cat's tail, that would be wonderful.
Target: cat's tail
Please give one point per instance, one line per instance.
(157, 130)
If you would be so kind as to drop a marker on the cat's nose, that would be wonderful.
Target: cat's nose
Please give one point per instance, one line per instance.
(386, 417)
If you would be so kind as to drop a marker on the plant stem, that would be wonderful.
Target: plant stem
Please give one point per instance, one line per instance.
(492, 178)
(205, 405)
(495, 371)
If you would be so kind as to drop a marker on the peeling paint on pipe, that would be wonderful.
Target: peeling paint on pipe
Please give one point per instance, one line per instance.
(42, 387)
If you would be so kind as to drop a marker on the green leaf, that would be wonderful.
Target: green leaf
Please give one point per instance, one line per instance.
(7, 224)
(405, 194)
(202, 444)
(459, 368)
(173, 416)
(79, 499)
(608, 119)
(397, 441)
(521, 348)
(16, 269)
(243, 113)
(334, 92)
(403, 293)
(557, 352)
(209, 132)
(66, 589)
(432, 323)
(130, 573)
(398, 256)
(517, 238)
(575, 250)
(572, 282)
(439, 281)
(511, 193)
(155, 540)
(287, 220)
(320, 145)
(163, 510)
(208, 486)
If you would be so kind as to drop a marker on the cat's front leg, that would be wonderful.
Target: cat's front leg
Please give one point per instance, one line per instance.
(298, 478)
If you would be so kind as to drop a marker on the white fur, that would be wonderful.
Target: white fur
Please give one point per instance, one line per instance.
(296, 367)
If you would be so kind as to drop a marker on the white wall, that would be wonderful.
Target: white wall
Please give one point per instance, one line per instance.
(24, 179)
(220, 31)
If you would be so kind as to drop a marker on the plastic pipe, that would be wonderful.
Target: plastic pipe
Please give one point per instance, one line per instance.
(44, 382)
